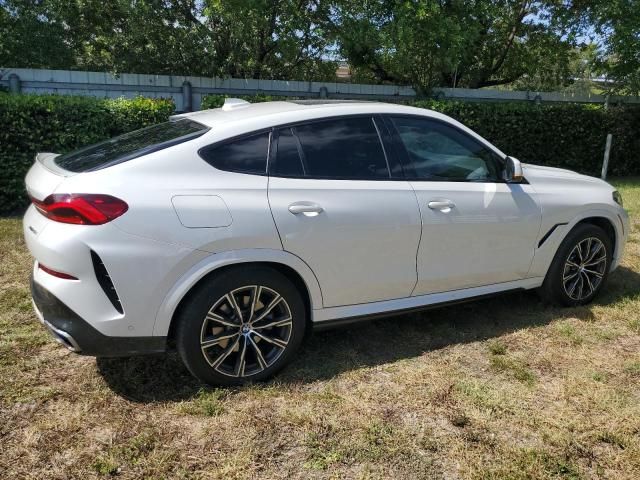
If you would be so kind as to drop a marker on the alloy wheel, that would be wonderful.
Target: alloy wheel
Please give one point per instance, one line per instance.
(246, 331)
(584, 268)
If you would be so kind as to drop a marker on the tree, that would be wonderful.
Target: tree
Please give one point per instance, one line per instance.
(533, 44)
(243, 38)
(147, 36)
(278, 39)
(30, 38)
(613, 26)
(430, 43)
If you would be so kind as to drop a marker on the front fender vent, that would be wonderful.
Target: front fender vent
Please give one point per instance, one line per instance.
(548, 234)
(105, 282)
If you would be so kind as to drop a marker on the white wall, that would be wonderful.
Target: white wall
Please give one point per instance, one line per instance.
(106, 85)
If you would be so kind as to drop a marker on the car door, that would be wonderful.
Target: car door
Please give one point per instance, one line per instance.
(476, 229)
(341, 207)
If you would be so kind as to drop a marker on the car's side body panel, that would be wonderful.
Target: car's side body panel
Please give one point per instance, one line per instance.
(545, 253)
(142, 270)
(362, 245)
(211, 263)
(149, 184)
(416, 302)
(565, 199)
(149, 250)
(487, 237)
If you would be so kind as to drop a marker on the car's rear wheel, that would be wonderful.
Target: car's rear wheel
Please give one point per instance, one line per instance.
(580, 267)
(242, 325)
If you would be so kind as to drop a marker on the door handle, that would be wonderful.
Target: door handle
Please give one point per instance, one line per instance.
(307, 209)
(442, 205)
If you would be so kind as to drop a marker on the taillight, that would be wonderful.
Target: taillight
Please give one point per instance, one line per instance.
(81, 208)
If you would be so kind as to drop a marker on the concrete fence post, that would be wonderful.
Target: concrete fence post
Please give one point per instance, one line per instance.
(324, 92)
(14, 83)
(187, 104)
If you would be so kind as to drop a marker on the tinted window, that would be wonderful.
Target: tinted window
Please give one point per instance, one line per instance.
(287, 162)
(246, 155)
(346, 148)
(436, 151)
(130, 145)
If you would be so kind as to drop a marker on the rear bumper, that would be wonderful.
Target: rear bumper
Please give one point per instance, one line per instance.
(72, 331)
(140, 272)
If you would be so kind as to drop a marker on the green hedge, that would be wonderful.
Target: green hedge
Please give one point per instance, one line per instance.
(561, 135)
(564, 135)
(57, 123)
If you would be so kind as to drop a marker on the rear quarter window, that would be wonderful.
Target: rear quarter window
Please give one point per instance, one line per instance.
(130, 145)
(244, 155)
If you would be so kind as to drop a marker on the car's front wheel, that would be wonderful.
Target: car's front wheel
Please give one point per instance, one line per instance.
(580, 267)
(242, 325)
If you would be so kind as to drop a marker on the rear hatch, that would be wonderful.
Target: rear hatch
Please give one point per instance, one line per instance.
(50, 169)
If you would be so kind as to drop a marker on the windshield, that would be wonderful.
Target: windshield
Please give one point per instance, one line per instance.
(130, 145)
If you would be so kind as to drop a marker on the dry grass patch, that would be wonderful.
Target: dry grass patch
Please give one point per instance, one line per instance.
(501, 388)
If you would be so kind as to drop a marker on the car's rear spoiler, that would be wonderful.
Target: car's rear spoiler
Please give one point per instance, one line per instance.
(44, 176)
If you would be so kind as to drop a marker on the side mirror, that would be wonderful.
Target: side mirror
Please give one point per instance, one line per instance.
(513, 170)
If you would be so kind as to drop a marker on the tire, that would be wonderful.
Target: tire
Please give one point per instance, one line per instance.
(579, 268)
(218, 348)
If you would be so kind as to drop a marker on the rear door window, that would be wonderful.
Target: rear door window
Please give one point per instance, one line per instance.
(130, 145)
(339, 149)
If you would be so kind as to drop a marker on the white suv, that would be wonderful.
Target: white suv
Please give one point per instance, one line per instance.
(229, 233)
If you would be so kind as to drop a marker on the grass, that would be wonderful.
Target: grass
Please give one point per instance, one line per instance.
(206, 403)
(506, 388)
